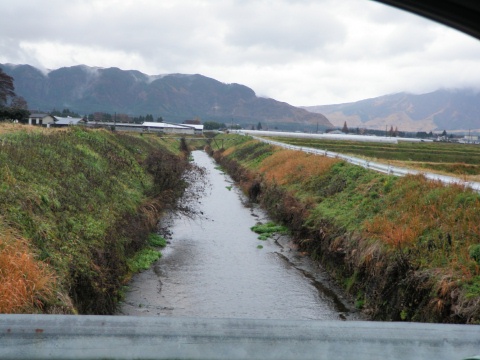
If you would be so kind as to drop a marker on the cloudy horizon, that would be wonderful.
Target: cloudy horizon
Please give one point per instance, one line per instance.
(303, 52)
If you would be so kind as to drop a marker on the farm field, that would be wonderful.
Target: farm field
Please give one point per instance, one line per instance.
(461, 160)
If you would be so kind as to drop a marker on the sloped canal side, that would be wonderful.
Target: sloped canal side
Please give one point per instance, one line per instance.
(216, 267)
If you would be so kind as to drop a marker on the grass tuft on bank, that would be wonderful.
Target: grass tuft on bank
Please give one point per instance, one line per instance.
(143, 260)
(268, 229)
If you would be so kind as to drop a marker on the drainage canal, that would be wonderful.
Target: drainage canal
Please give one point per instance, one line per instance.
(216, 267)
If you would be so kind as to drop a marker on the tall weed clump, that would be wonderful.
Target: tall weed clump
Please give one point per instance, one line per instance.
(438, 223)
(286, 167)
(26, 284)
(86, 201)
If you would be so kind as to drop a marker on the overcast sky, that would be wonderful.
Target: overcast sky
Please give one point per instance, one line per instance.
(304, 52)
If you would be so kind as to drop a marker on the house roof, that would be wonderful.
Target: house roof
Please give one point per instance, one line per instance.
(67, 120)
(109, 123)
(195, 126)
(166, 125)
(38, 115)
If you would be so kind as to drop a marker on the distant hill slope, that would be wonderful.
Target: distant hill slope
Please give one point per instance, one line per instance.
(435, 111)
(175, 97)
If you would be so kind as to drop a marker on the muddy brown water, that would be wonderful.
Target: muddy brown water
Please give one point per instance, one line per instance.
(213, 268)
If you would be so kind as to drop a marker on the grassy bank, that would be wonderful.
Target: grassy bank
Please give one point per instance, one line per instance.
(405, 248)
(75, 206)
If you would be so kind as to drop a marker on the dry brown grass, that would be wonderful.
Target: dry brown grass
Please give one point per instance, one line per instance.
(228, 151)
(6, 128)
(24, 281)
(399, 232)
(288, 167)
(440, 222)
(420, 167)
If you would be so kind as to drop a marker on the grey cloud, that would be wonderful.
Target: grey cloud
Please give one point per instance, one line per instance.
(294, 50)
(135, 27)
(296, 27)
(12, 52)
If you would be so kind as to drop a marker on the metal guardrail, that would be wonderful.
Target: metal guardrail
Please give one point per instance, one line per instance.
(125, 337)
(383, 168)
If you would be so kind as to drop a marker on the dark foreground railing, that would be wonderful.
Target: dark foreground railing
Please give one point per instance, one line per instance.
(122, 337)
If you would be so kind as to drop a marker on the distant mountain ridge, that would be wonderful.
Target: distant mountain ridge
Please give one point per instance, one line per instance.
(174, 97)
(435, 111)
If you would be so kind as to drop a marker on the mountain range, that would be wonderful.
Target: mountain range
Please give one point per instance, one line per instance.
(174, 97)
(178, 97)
(450, 110)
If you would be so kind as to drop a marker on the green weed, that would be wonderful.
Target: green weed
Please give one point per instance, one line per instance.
(268, 229)
(143, 260)
(156, 240)
(474, 252)
(360, 301)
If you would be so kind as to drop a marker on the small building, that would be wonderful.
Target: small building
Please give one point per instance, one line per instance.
(167, 128)
(115, 126)
(196, 124)
(41, 119)
(198, 128)
(68, 121)
(127, 127)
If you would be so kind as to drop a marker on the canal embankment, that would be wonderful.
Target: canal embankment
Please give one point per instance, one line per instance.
(406, 249)
(76, 206)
